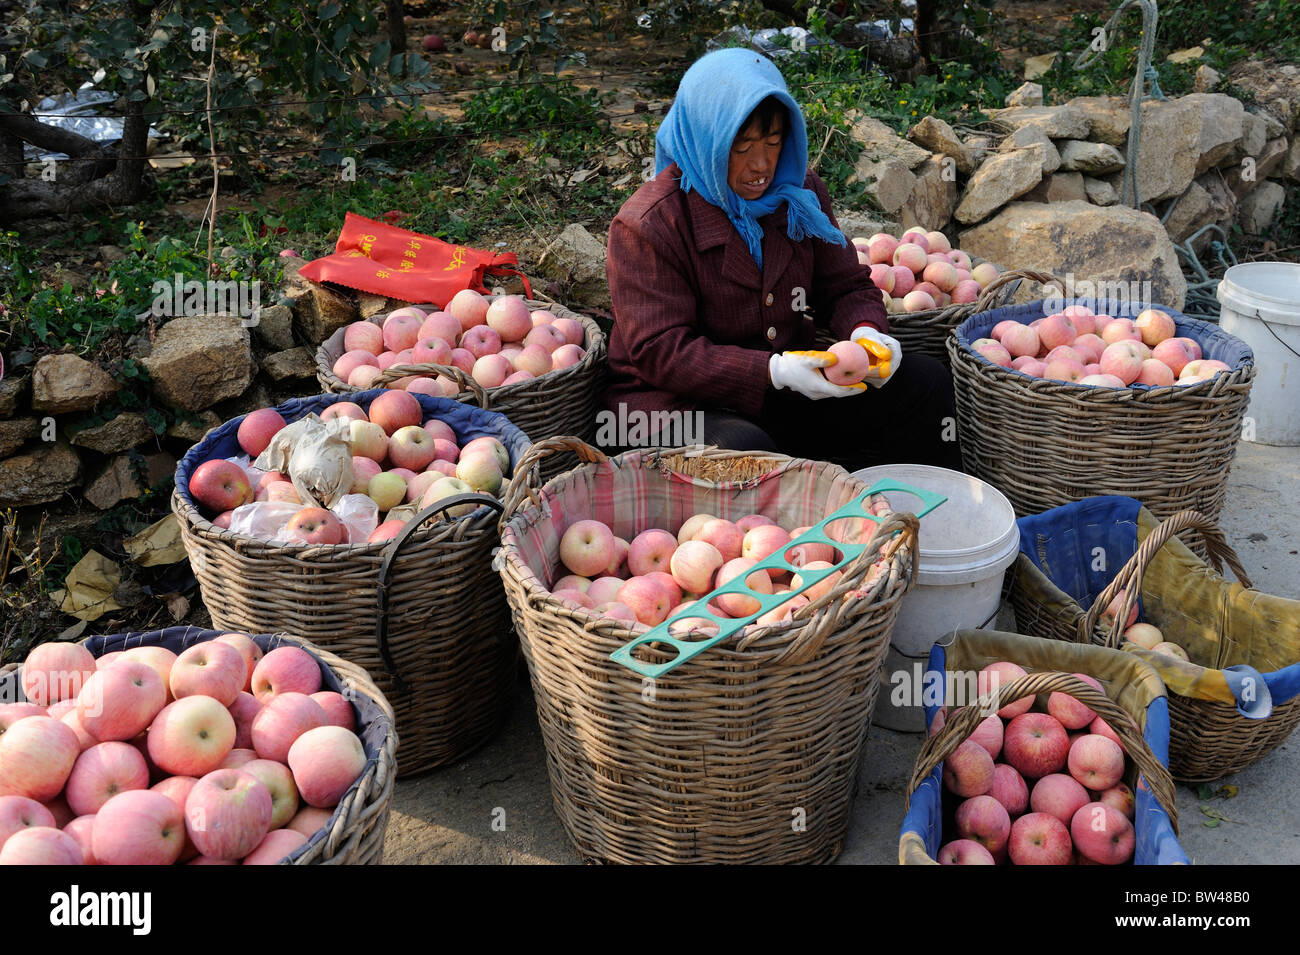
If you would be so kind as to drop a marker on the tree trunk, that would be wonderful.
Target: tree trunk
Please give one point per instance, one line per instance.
(927, 25)
(396, 27)
(893, 54)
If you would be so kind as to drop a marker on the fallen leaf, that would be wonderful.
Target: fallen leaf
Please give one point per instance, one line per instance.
(159, 543)
(88, 589)
(177, 606)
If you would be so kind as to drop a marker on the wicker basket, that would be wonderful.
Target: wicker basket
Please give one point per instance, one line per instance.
(1232, 625)
(1133, 704)
(927, 332)
(1045, 443)
(355, 834)
(422, 613)
(713, 760)
(563, 402)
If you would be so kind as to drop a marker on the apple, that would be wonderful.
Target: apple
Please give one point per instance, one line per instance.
(212, 668)
(489, 443)
(257, 429)
(510, 317)
(285, 670)
(965, 852)
(192, 736)
(442, 326)
(445, 488)
(996, 675)
(763, 541)
(1096, 762)
(851, 365)
(480, 470)
(41, 845)
(1102, 834)
(56, 671)
(463, 359)
(968, 770)
(1038, 838)
(605, 589)
(282, 720)
(103, 771)
(119, 702)
(368, 440)
(572, 582)
(278, 781)
(1119, 797)
(586, 547)
(316, 525)
(401, 328)
(984, 820)
(411, 447)
(344, 409)
(1010, 789)
(573, 332)
(363, 336)
(988, 733)
(1058, 795)
(227, 814)
(741, 604)
(220, 485)
(310, 821)
(82, 830)
(338, 711)
(138, 827)
(248, 649)
(491, 371)
(396, 409)
(993, 351)
(19, 812)
(1019, 340)
(911, 255)
(1112, 609)
(724, 535)
(387, 490)
(647, 599)
(984, 273)
(1155, 326)
(1035, 744)
(280, 843)
(1056, 330)
(237, 758)
(1144, 635)
(468, 307)
(363, 376)
(242, 712)
(550, 338)
(11, 713)
(651, 550)
(1073, 714)
(326, 761)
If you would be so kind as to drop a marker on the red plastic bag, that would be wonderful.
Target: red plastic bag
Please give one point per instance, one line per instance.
(383, 259)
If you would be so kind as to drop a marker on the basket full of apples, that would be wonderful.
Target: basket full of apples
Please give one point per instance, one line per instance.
(539, 363)
(414, 601)
(1045, 434)
(703, 763)
(192, 746)
(1229, 655)
(1044, 754)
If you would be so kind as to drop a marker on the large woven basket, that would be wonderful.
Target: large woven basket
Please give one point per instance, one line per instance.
(1219, 622)
(1045, 443)
(422, 613)
(745, 753)
(355, 833)
(562, 402)
(1133, 704)
(927, 332)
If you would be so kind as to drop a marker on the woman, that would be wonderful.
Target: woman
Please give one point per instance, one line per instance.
(718, 265)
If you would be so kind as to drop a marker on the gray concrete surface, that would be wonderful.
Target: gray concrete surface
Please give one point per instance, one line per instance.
(455, 814)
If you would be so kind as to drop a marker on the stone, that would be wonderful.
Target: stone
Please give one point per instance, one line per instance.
(938, 137)
(1058, 187)
(250, 400)
(295, 363)
(1115, 244)
(576, 260)
(1221, 120)
(64, 383)
(325, 312)
(15, 432)
(1255, 134)
(110, 253)
(889, 182)
(1028, 137)
(1269, 165)
(1193, 210)
(1206, 78)
(121, 433)
(126, 477)
(1099, 191)
(193, 428)
(855, 224)
(1290, 169)
(1058, 122)
(979, 147)
(1026, 94)
(1223, 205)
(931, 205)
(197, 362)
(1096, 159)
(1000, 179)
(1168, 149)
(1187, 55)
(39, 476)
(13, 389)
(369, 304)
(274, 326)
(880, 142)
(1260, 207)
(1036, 66)
(1273, 127)
(291, 265)
(1109, 117)
(1243, 177)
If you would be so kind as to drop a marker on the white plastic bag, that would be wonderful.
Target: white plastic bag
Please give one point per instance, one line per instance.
(263, 520)
(315, 455)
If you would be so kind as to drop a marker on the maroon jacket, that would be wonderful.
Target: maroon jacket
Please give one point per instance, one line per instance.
(694, 320)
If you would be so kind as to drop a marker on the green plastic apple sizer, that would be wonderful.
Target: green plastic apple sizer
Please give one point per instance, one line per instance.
(686, 649)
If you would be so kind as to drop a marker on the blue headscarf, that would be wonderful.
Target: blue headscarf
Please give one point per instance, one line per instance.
(715, 97)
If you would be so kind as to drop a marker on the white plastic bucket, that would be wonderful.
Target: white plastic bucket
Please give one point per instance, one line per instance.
(966, 545)
(1261, 306)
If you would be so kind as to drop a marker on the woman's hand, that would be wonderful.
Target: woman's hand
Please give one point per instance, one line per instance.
(886, 354)
(800, 371)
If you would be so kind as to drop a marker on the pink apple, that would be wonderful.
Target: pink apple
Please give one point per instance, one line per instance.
(463, 359)
(481, 341)
(56, 671)
(646, 599)
(605, 589)
(1010, 789)
(1064, 369)
(918, 300)
(310, 820)
(257, 429)
(491, 371)
(1096, 762)
(1112, 609)
(904, 281)
(999, 674)
(326, 762)
(573, 332)
(1119, 797)
(993, 351)
(566, 356)
(237, 758)
(220, 485)
(911, 255)
(1123, 360)
(278, 781)
(510, 317)
(1035, 744)
(363, 336)
(988, 733)
(823, 586)
(572, 582)
(1019, 340)
(344, 409)
(227, 814)
(212, 669)
(248, 649)
(41, 846)
(103, 771)
(396, 409)
(1073, 714)
(1089, 348)
(82, 830)
(282, 720)
(19, 812)
(965, 852)
(338, 711)
(1155, 326)
(285, 670)
(968, 770)
(411, 447)
(1102, 381)
(670, 587)
(138, 827)
(882, 277)
(11, 713)
(548, 337)
(741, 604)
(1057, 330)
(192, 736)
(586, 547)
(618, 560)
(402, 328)
(692, 525)
(651, 550)
(430, 351)
(693, 565)
(764, 541)
(1038, 838)
(1058, 795)
(442, 326)
(984, 820)
(242, 712)
(278, 844)
(363, 376)
(880, 248)
(534, 359)
(1102, 834)
(1120, 330)
(120, 702)
(724, 535)
(468, 307)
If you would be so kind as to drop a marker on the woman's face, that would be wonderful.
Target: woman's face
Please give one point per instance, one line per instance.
(752, 162)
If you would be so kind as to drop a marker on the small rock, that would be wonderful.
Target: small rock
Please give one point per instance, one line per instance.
(197, 362)
(1096, 159)
(1109, 117)
(938, 137)
(39, 476)
(931, 204)
(880, 142)
(1169, 148)
(123, 478)
(58, 277)
(63, 383)
(1206, 79)
(889, 182)
(128, 430)
(1058, 187)
(1185, 56)
(110, 253)
(576, 260)
(291, 264)
(1255, 134)
(1036, 66)
(228, 252)
(194, 430)
(979, 147)
(1058, 122)
(1026, 94)
(296, 363)
(1290, 169)
(13, 388)
(326, 313)
(854, 224)
(1260, 207)
(369, 304)
(1221, 121)
(1000, 179)
(1193, 210)
(1030, 137)
(16, 432)
(1243, 177)
(1272, 126)
(274, 325)
(1099, 191)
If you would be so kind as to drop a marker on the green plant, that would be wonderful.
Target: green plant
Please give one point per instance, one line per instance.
(27, 579)
(525, 30)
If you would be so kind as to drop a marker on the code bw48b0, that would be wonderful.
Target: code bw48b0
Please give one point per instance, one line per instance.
(1222, 896)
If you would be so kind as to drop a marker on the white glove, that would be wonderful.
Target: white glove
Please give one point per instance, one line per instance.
(799, 371)
(881, 369)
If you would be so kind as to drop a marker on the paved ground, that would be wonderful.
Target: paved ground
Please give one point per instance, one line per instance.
(454, 815)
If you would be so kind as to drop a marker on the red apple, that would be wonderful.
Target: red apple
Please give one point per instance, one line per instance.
(257, 429)
(316, 525)
(227, 814)
(82, 830)
(586, 547)
(56, 671)
(1035, 744)
(278, 843)
(139, 827)
(394, 410)
(278, 781)
(996, 675)
(965, 852)
(192, 736)
(1009, 788)
(41, 846)
(986, 821)
(1102, 834)
(651, 550)
(968, 770)
(118, 703)
(326, 761)
(1096, 762)
(1073, 714)
(103, 771)
(282, 720)
(1039, 839)
(220, 485)
(1058, 795)
(19, 812)
(285, 670)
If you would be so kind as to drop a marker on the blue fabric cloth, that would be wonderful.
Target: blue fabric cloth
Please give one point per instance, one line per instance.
(716, 95)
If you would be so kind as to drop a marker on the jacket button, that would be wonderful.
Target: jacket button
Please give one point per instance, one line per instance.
(770, 299)
(771, 334)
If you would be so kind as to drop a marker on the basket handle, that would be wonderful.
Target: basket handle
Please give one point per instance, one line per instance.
(527, 477)
(386, 567)
(1014, 275)
(425, 369)
(1129, 578)
(962, 723)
